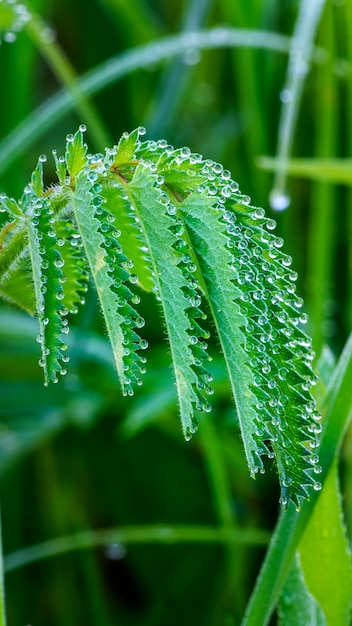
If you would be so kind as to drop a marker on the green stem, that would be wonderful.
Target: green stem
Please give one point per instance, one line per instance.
(299, 59)
(337, 410)
(51, 111)
(56, 59)
(133, 535)
(321, 242)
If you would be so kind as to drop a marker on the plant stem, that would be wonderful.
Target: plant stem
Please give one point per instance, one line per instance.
(337, 410)
(299, 59)
(135, 534)
(108, 72)
(55, 57)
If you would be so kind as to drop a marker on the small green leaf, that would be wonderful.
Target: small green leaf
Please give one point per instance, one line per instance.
(126, 148)
(75, 154)
(60, 165)
(9, 205)
(37, 178)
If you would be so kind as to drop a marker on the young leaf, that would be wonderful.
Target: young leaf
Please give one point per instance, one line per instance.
(126, 148)
(75, 153)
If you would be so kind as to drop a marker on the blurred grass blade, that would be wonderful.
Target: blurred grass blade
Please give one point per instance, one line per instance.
(53, 109)
(135, 535)
(299, 60)
(61, 66)
(337, 171)
(175, 80)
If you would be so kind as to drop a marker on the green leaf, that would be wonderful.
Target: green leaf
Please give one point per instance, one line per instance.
(17, 287)
(130, 239)
(60, 168)
(325, 554)
(9, 205)
(37, 182)
(75, 154)
(75, 267)
(297, 605)
(47, 277)
(109, 269)
(179, 301)
(126, 148)
(208, 238)
(252, 296)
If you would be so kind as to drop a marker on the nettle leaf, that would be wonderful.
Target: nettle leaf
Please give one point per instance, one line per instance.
(110, 271)
(75, 265)
(176, 225)
(131, 238)
(179, 296)
(48, 286)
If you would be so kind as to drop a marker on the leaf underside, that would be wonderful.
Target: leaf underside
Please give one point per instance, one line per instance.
(177, 225)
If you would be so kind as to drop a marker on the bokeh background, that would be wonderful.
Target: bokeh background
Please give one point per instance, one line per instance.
(77, 457)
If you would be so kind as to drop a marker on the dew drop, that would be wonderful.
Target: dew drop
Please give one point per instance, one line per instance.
(82, 128)
(279, 201)
(9, 37)
(140, 322)
(195, 300)
(92, 176)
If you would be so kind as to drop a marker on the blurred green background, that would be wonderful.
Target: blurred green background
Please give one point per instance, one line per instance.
(78, 456)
